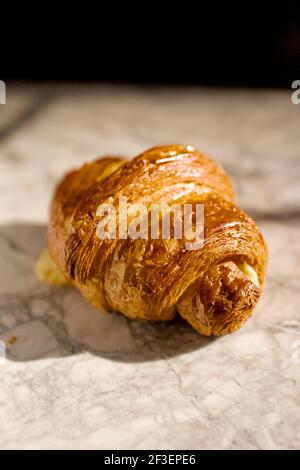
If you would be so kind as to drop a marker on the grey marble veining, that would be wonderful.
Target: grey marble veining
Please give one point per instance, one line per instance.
(76, 379)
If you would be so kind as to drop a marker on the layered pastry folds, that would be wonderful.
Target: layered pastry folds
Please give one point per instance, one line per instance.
(214, 288)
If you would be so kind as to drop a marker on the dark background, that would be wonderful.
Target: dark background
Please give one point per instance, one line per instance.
(149, 42)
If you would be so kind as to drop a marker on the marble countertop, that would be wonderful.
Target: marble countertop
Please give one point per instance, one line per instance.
(76, 379)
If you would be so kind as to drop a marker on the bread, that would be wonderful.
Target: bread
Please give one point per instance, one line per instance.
(214, 288)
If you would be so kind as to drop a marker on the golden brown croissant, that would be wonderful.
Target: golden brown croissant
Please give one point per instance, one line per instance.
(214, 288)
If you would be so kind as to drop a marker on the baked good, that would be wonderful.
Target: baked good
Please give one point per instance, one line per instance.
(214, 288)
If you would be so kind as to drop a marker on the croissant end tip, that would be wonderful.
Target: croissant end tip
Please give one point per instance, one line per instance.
(221, 301)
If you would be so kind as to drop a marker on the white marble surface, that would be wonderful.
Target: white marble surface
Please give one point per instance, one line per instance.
(76, 379)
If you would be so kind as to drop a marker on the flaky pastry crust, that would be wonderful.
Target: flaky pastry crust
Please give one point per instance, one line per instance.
(159, 279)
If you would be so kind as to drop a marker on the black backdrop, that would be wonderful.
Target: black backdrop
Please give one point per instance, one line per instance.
(165, 42)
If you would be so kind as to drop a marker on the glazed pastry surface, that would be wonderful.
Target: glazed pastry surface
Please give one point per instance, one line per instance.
(214, 288)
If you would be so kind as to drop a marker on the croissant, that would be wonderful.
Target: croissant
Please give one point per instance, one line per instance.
(214, 287)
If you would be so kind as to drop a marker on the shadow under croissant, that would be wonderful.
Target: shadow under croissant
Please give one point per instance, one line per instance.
(38, 321)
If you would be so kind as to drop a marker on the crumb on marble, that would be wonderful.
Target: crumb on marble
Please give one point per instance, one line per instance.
(12, 340)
